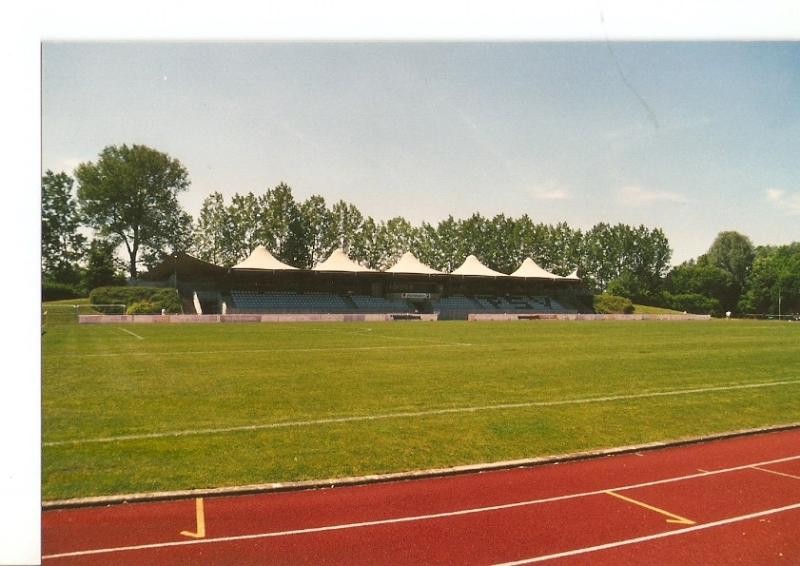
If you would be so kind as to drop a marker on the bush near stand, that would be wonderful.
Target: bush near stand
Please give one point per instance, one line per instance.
(612, 304)
(145, 300)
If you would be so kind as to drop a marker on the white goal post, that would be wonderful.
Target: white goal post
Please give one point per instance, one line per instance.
(111, 308)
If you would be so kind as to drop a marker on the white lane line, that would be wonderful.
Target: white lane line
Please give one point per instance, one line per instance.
(784, 474)
(131, 333)
(413, 518)
(411, 414)
(646, 538)
(264, 350)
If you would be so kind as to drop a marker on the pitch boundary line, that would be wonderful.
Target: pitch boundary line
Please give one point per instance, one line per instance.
(413, 414)
(267, 350)
(462, 512)
(131, 333)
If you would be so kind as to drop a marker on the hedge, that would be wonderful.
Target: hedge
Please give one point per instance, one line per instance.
(693, 303)
(159, 297)
(612, 304)
(52, 291)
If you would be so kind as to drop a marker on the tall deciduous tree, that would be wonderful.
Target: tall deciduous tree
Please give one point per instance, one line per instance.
(278, 213)
(62, 244)
(367, 247)
(316, 221)
(734, 253)
(396, 237)
(345, 224)
(700, 278)
(131, 193)
(101, 266)
(774, 282)
(448, 253)
(243, 217)
(212, 232)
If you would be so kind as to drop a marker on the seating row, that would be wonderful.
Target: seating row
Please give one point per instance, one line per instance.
(486, 303)
(287, 302)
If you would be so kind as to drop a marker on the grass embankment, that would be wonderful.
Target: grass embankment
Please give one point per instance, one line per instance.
(102, 382)
(645, 309)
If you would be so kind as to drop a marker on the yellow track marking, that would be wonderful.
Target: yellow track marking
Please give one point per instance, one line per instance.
(677, 519)
(201, 521)
(776, 473)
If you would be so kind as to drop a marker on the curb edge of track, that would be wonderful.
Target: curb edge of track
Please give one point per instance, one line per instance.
(398, 476)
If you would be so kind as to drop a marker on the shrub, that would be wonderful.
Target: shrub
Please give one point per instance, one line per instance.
(159, 297)
(143, 307)
(612, 304)
(52, 291)
(693, 302)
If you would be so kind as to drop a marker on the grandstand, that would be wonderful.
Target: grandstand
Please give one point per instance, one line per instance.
(263, 285)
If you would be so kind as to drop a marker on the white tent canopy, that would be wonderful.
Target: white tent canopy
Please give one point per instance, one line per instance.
(529, 268)
(472, 266)
(573, 276)
(410, 264)
(260, 258)
(338, 261)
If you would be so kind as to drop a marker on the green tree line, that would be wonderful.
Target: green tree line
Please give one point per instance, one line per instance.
(129, 197)
(302, 233)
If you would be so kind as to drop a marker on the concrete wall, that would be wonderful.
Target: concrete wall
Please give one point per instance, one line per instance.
(230, 318)
(549, 316)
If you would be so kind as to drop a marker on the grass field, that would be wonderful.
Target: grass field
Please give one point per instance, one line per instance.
(137, 408)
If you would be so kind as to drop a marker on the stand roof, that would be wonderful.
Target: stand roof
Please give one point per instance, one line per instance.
(338, 261)
(260, 258)
(410, 264)
(529, 268)
(472, 266)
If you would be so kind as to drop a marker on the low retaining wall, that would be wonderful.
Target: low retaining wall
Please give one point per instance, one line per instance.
(574, 316)
(229, 318)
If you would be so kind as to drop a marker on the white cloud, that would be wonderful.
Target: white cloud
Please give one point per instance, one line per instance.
(549, 191)
(775, 195)
(637, 196)
(789, 203)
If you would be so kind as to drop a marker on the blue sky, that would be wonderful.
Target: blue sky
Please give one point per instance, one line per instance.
(691, 137)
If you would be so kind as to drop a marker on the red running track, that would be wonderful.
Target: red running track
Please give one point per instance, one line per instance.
(728, 501)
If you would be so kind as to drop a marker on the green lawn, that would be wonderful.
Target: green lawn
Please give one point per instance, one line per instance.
(101, 382)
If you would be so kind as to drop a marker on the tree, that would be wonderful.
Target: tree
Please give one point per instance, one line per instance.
(395, 237)
(367, 247)
(243, 217)
(101, 266)
(774, 282)
(317, 234)
(131, 193)
(448, 246)
(734, 253)
(563, 247)
(212, 233)
(700, 278)
(278, 212)
(502, 245)
(533, 239)
(62, 245)
(426, 248)
(345, 223)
